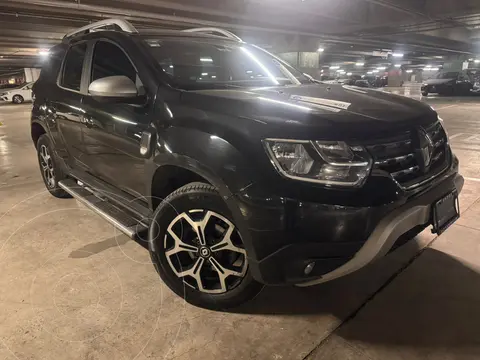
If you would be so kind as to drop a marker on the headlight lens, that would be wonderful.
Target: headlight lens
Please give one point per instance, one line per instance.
(326, 162)
(442, 123)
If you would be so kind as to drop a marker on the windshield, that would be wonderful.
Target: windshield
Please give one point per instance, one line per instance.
(447, 75)
(213, 64)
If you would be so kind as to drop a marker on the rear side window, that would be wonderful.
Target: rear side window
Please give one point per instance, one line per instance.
(72, 70)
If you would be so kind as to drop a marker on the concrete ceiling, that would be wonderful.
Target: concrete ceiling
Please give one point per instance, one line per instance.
(345, 28)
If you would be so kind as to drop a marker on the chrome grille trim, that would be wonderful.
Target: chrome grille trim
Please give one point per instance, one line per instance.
(398, 157)
(408, 171)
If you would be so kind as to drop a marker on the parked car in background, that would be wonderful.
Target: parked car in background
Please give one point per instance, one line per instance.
(363, 83)
(19, 94)
(448, 83)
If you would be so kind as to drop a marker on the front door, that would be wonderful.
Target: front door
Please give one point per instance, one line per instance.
(113, 130)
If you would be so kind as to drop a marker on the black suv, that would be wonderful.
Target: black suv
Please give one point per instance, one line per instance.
(235, 168)
(449, 83)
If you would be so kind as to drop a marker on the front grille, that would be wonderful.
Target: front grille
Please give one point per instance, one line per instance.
(399, 157)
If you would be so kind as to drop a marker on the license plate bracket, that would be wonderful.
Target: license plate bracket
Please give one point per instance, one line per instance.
(445, 212)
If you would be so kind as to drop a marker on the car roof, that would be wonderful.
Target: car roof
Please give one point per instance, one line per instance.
(154, 33)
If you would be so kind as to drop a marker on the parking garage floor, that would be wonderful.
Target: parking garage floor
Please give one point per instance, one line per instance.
(72, 287)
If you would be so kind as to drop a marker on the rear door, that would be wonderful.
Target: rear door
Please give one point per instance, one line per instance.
(64, 106)
(113, 130)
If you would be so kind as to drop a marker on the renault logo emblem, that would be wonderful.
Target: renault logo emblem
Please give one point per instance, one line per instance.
(425, 149)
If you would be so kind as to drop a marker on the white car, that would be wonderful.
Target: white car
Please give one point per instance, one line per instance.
(18, 95)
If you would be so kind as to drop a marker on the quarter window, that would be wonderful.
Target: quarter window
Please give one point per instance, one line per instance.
(72, 71)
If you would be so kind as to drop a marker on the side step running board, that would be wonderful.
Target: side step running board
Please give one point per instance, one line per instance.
(119, 218)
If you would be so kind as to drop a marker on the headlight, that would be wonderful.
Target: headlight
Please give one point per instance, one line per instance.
(325, 162)
(442, 123)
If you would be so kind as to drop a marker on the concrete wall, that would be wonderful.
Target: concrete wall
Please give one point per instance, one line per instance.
(31, 74)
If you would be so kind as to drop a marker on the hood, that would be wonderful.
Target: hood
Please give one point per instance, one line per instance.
(438, 81)
(326, 110)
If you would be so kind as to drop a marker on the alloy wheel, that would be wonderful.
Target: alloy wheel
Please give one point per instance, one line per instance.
(205, 250)
(47, 166)
(17, 99)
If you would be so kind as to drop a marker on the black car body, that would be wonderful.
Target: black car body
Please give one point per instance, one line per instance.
(270, 150)
(448, 83)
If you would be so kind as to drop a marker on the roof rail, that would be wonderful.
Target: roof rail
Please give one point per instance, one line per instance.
(213, 30)
(96, 26)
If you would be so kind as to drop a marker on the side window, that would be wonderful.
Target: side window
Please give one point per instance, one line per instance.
(72, 70)
(110, 60)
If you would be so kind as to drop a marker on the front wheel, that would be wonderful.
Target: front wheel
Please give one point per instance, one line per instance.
(425, 92)
(198, 251)
(18, 99)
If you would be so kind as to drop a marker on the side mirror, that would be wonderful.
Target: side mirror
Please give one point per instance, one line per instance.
(116, 88)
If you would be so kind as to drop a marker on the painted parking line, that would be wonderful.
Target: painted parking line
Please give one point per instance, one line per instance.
(446, 107)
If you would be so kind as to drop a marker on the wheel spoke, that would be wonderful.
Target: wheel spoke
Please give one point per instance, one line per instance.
(179, 245)
(194, 272)
(227, 244)
(223, 272)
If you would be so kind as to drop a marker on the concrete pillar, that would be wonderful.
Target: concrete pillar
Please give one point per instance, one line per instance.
(308, 62)
(456, 65)
(31, 74)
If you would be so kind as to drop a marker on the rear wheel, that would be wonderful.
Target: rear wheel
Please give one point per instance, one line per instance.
(18, 99)
(51, 172)
(198, 251)
(425, 92)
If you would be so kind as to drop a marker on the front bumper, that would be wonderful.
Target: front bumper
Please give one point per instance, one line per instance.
(284, 237)
(412, 215)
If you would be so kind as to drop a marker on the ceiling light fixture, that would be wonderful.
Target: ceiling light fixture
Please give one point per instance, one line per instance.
(349, 74)
(43, 52)
(334, 67)
(381, 68)
(359, 64)
(398, 65)
(320, 49)
(399, 55)
(409, 71)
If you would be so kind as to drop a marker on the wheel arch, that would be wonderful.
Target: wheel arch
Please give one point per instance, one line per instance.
(37, 130)
(193, 171)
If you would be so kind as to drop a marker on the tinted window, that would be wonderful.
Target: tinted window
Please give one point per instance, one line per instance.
(72, 71)
(447, 75)
(203, 64)
(110, 60)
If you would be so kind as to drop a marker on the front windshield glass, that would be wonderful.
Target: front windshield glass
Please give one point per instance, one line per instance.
(213, 64)
(447, 75)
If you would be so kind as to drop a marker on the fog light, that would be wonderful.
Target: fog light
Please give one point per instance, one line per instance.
(309, 268)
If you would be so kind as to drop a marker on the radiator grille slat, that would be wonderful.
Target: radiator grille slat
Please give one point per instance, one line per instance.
(397, 157)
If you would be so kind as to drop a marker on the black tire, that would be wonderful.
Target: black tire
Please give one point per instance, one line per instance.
(189, 197)
(425, 92)
(52, 164)
(18, 99)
